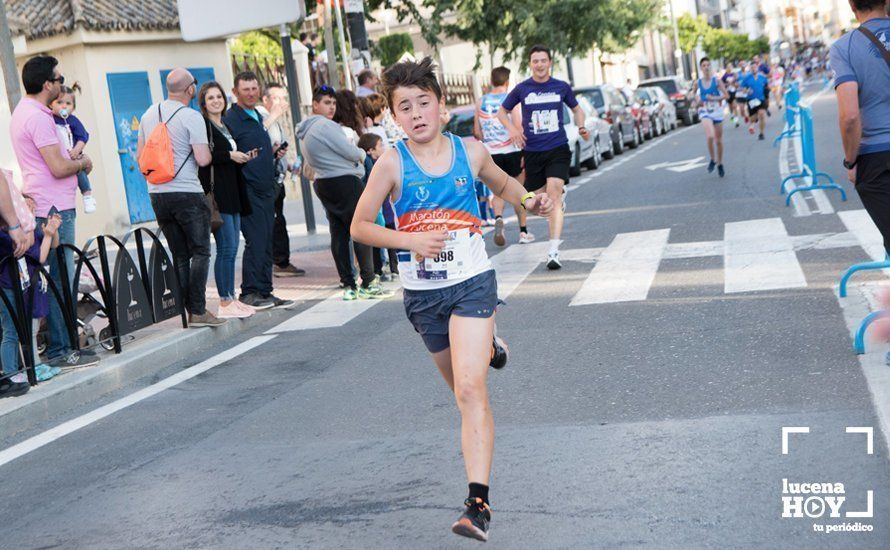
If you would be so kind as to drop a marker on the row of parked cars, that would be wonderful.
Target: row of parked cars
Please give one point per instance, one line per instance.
(617, 119)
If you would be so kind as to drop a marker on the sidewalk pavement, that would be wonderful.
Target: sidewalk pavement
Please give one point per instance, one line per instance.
(155, 348)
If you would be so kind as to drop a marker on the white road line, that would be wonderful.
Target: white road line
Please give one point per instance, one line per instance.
(859, 223)
(516, 263)
(82, 421)
(860, 302)
(612, 164)
(332, 312)
(759, 255)
(625, 269)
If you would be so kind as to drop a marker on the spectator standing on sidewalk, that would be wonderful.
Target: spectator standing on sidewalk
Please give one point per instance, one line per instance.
(349, 116)
(861, 65)
(274, 108)
(246, 126)
(223, 179)
(367, 83)
(179, 204)
(339, 168)
(51, 180)
(45, 237)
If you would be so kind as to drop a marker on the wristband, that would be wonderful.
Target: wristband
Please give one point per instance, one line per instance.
(13, 228)
(529, 195)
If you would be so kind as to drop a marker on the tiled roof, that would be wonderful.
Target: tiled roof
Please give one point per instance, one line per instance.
(51, 17)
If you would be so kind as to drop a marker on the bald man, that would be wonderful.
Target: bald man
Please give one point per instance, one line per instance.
(179, 204)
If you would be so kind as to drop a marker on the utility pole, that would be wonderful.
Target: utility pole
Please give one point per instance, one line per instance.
(294, 95)
(678, 53)
(329, 47)
(343, 53)
(7, 61)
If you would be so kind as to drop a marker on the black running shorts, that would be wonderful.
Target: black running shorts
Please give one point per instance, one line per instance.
(511, 163)
(540, 165)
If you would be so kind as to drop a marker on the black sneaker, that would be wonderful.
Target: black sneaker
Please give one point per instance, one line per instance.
(760, 137)
(553, 261)
(473, 523)
(720, 171)
(256, 301)
(711, 166)
(498, 354)
(278, 303)
(14, 389)
(74, 360)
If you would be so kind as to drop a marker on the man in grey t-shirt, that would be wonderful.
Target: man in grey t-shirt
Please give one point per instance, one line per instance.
(179, 204)
(862, 84)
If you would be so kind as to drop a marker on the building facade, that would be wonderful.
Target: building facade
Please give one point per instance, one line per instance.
(120, 56)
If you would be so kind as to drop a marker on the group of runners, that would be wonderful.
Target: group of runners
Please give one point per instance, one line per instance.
(523, 157)
(745, 91)
(450, 289)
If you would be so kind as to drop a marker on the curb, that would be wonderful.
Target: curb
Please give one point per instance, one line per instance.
(138, 360)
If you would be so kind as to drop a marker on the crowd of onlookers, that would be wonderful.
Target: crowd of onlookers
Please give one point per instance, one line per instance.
(228, 164)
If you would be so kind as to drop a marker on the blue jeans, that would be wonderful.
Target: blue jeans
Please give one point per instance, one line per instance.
(9, 347)
(83, 182)
(59, 344)
(258, 228)
(227, 238)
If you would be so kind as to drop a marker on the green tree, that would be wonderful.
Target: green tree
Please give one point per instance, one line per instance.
(691, 30)
(256, 43)
(719, 44)
(391, 47)
(565, 26)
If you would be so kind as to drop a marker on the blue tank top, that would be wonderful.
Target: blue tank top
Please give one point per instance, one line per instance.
(710, 108)
(430, 203)
(703, 92)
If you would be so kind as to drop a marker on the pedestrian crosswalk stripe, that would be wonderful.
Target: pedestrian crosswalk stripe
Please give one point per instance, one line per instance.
(332, 312)
(516, 263)
(759, 255)
(625, 269)
(859, 224)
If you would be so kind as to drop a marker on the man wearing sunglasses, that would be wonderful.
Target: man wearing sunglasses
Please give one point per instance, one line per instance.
(51, 180)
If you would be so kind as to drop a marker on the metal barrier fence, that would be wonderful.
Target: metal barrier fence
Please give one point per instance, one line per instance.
(792, 109)
(809, 169)
(133, 294)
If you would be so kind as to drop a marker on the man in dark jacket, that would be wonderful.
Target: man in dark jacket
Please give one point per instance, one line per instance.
(246, 125)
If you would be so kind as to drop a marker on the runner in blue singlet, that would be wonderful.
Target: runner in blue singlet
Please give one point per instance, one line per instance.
(710, 95)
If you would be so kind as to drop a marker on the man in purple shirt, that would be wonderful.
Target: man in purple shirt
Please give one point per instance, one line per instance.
(542, 137)
(51, 180)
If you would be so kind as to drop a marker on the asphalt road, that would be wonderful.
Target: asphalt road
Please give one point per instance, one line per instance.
(651, 422)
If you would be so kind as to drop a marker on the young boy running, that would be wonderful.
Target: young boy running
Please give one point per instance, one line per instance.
(450, 286)
(489, 130)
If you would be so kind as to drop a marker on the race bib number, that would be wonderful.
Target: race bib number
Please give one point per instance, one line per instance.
(449, 263)
(545, 122)
(754, 103)
(712, 106)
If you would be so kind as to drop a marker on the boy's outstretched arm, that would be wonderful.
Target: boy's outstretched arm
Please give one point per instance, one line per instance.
(504, 186)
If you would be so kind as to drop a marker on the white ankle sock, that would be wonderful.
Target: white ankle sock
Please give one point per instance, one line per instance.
(554, 246)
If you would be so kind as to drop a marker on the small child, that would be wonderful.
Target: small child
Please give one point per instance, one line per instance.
(374, 145)
(75, 137)
(14, 381)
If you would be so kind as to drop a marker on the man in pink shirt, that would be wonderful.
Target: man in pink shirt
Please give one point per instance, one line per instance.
(51, 180)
